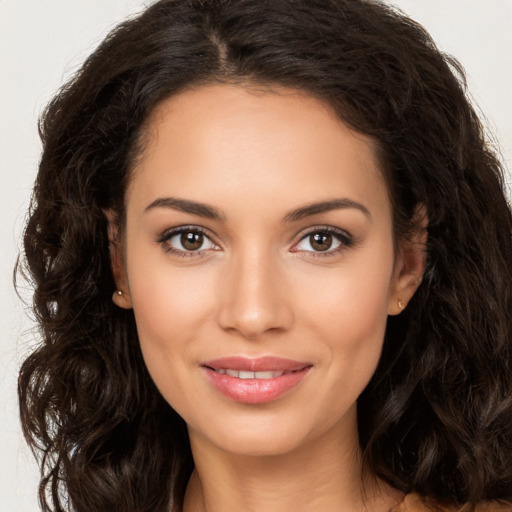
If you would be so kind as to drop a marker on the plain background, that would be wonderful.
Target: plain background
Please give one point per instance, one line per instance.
(43, 41)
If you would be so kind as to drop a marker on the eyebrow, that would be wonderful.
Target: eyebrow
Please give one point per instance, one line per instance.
(326, 206)
(186, 206)
(209, 212)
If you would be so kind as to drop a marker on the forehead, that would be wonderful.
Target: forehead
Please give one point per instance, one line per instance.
(219, 139)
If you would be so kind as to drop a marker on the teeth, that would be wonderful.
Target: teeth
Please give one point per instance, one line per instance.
(242, 374)
(266, 375)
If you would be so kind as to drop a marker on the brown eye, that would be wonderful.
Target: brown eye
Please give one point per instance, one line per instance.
(192, 240)
(187, 241)
(329, 241)
(321, 241)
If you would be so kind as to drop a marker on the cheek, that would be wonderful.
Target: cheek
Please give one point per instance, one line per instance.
(171, 312)
(171, 301)
(352, 326)
(171, 307)
(352, 300)
(165, 294)
(347, 312)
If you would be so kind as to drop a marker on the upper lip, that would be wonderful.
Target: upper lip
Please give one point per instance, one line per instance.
(260, 364)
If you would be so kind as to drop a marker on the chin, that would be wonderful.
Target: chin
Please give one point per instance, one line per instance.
(256, 437)
(258, 445)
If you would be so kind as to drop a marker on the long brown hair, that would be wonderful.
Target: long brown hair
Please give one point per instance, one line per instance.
(437, 416)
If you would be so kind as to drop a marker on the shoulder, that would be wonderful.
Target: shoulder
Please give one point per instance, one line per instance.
(416, 503)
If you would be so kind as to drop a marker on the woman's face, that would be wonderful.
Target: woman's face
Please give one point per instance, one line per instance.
(260, 264)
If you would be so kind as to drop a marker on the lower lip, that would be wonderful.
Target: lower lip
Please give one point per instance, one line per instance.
(255, 391)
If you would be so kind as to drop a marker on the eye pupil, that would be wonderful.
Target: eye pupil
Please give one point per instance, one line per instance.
(192, 241)
(321, 241)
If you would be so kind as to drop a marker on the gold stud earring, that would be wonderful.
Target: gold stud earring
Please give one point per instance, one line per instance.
(400, 304)
(122, 299)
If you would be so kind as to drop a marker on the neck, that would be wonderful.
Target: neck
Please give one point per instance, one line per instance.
(326, 476)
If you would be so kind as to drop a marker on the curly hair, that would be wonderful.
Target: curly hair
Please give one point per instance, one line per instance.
(436, 417)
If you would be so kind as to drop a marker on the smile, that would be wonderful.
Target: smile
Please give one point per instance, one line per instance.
(255, 381)
(243, 374)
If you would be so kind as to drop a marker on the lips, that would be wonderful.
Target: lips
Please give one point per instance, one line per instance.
(243, 374)
(255, 381)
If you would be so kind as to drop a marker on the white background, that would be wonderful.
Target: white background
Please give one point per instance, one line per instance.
(43, 41)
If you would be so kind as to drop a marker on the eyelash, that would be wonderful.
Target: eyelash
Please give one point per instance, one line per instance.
(164, 239)
(345, 241)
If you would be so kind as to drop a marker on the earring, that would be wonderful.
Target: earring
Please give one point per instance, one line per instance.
(122, 299)
(400, 304)
(115, 295)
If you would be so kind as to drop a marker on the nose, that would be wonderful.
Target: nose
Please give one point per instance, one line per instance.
(253, 297)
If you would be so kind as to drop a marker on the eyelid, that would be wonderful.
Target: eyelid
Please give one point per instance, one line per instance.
(346, 239)
(164, 237)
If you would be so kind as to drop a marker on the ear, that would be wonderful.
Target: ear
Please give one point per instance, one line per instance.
(121, 296)
(410, 264)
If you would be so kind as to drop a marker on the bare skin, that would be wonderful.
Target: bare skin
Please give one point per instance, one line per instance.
(259, 225)
(292, 482)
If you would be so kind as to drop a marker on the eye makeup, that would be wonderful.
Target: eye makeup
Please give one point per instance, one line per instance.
(196, 241)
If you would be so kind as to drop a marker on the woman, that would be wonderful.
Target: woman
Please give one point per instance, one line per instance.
(271, 257)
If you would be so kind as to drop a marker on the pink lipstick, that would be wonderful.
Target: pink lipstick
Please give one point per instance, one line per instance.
(255, 381)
